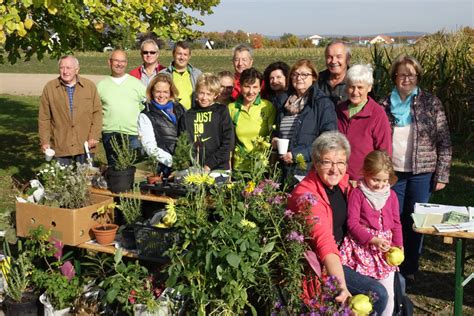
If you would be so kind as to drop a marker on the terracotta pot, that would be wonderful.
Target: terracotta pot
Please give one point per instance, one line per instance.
(153, 179)
(105, 233)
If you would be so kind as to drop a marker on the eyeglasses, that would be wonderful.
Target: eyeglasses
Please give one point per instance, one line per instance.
(148, 52)
(409, 77)
(303, 76)
(227, 87)
(328, 164)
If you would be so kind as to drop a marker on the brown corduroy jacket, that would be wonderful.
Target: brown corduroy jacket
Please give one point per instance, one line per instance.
(64, 132)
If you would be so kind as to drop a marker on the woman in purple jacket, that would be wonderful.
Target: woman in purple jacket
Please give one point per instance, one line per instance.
(421, 149)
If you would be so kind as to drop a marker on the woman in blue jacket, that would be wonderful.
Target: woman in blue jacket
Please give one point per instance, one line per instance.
(305, 114)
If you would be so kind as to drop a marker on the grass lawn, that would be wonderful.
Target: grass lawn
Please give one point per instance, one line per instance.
(20, 157)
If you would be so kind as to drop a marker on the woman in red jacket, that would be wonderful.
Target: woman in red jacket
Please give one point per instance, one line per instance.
(327, 187)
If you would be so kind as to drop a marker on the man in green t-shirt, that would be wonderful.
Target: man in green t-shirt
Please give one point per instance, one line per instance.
(122, 99)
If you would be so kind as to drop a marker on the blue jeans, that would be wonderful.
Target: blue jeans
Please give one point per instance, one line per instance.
(361, 284)
(410, 189)
(109, 151)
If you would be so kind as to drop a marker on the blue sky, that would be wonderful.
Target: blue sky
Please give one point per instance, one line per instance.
(275, 17)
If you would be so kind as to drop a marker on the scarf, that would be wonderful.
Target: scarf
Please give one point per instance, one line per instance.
(401, 109)
(295, 105)
(167, 109)
(377, 199)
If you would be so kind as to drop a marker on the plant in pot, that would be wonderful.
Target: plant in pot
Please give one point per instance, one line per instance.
(20, 297)
(54, 272)
(106, 230)
(182, 157)
(132, 213)
(153, 163)
(121, 176)
(130, 284)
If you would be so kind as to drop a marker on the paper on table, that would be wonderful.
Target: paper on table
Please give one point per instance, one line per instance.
(428, 208)
(426, 220)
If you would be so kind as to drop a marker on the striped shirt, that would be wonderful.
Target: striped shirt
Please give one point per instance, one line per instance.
(70, 93)
(287, 126)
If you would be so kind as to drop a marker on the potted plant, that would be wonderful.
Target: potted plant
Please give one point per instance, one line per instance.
(54, 272)
(105, 231)
(132, 213)
(121, 176)
(182, 157)
(130, 284)
(20, 298)
(152, 162)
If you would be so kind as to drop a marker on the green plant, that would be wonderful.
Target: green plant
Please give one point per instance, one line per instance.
(17, 273)
(240, 247)
(130, 284)
(152, 163)
(54, 271)
(65, 186)
(182, 158)
(125, 155)
(131, 207)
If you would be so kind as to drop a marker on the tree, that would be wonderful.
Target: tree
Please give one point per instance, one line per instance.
(58, 27)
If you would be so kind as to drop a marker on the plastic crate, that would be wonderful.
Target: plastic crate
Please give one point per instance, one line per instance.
(153, 241)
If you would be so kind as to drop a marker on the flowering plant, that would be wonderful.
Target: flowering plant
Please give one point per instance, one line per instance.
(55, 273)
(65, 186)
(241, 249)
(131, 284)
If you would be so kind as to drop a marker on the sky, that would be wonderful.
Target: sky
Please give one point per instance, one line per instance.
(357, 17)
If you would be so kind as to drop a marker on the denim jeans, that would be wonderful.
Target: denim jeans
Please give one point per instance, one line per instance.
(109, 151)
(82, 158)
(361, 284)
(410, 189)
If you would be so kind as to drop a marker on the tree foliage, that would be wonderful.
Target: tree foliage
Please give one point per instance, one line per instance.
(61, 26)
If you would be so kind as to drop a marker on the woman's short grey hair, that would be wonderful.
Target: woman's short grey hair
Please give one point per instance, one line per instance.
(360, 73)
(329, 141)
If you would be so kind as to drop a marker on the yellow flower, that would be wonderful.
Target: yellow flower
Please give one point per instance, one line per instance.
(250, 187)
(247, 223)
(199, 179)
(229, 186)
(300, 161)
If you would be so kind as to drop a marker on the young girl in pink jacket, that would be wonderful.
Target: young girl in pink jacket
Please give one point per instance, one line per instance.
(373, 223)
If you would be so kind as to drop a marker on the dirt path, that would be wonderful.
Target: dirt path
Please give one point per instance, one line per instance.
(29, 84)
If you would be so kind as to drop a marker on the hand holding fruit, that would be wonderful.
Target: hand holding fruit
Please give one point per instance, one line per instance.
(382, 244)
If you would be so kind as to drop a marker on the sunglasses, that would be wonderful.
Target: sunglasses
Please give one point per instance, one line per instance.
(148, 52)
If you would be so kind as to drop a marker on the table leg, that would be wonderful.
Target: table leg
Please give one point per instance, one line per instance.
(459, 276)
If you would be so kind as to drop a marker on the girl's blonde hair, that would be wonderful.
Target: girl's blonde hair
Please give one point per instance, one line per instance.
(377, 161)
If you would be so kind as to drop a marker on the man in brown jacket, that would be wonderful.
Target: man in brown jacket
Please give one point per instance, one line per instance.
(70, 113)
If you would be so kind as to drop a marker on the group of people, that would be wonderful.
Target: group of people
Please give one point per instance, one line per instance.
(368, 161)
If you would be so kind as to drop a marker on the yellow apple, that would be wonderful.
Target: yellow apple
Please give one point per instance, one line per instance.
(360, 305)
(394, 256)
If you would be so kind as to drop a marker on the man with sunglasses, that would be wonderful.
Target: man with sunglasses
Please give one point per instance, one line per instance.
(150, 52)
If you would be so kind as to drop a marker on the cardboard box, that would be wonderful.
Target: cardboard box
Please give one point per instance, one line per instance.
(71, 226)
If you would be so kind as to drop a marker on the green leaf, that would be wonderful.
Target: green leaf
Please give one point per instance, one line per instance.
(118, 255)
(111, 295)
(233, 259)
(219, 271)
(268, 247)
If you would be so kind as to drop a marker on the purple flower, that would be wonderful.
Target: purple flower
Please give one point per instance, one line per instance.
(306, 201)
(278, 305)
(289, 213)
(271, 183)
(275, 200)
(295, 236)
(58, 244)
(67, 269)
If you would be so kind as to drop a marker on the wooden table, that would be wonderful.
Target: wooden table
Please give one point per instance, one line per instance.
(141, 196)
(459, 281)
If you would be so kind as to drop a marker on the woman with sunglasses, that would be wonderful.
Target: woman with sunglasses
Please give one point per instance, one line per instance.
(305, 114)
